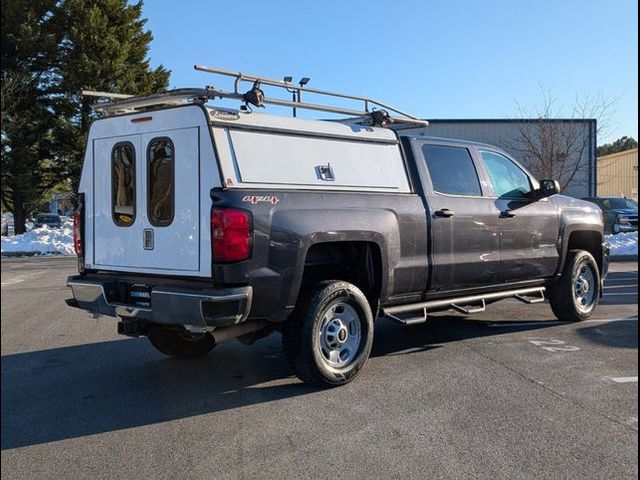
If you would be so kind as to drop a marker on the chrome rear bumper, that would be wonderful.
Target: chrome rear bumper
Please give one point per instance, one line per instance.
(195, 308)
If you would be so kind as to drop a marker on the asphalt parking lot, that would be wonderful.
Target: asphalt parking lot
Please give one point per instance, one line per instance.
(509, 393)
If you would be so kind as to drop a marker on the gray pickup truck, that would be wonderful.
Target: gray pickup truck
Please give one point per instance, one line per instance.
(199, 224)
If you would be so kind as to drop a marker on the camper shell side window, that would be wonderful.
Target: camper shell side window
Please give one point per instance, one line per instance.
(160, 181)
(123, 184)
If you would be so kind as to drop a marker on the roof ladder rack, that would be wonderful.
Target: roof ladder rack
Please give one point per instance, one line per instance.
(373, 112)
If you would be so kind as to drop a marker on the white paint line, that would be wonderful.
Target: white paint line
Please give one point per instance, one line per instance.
(620, 286)
(620, 293)
(13, 281)
(624, 379)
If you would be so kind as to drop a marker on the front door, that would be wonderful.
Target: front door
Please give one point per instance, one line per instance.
(464, 224)
(146, 208)
(529, 229)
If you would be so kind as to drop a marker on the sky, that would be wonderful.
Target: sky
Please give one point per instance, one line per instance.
(434, 59)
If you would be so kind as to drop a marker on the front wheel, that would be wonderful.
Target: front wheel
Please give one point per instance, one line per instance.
(329, 335)
(181, 344)
(575, 295)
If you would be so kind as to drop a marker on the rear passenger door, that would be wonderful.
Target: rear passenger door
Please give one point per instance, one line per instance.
(464, 223)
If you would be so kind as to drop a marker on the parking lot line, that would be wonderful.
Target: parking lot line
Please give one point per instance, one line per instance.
(625, 379)
(619, 293)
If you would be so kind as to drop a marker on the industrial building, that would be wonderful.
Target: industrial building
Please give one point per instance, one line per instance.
(508, 134)
(618, 174)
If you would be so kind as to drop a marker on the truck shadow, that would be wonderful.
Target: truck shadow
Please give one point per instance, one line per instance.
(75, 391)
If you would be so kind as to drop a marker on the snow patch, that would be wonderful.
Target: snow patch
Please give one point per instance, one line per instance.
(43, 240)
(623, 243)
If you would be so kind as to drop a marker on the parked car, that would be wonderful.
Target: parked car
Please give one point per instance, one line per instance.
(199, 224)
(50, 220)
(620, 214)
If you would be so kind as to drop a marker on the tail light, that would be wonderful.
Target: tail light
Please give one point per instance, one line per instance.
(77, 232)
(231, 234)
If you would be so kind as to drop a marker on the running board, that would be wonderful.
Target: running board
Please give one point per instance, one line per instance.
(462, 304)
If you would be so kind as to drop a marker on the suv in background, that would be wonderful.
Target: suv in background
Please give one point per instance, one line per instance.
(620, 214)
(50, 220)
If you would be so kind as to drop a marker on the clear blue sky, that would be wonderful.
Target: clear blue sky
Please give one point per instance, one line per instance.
(436, 59)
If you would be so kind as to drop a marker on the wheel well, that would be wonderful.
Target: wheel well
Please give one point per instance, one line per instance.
(359, 263)
(589, 241)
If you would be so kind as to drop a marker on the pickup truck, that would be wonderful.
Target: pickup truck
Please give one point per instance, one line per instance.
(199, 224)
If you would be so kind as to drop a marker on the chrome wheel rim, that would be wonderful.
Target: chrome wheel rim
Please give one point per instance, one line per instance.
(584, 288)
(340, 335)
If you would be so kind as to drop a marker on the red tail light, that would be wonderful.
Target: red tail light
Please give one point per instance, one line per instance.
(77, 232)
(231, 234)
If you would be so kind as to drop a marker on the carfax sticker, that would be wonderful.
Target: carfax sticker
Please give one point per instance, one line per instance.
(255, 199)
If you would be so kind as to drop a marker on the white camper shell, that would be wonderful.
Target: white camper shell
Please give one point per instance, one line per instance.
(147, 177)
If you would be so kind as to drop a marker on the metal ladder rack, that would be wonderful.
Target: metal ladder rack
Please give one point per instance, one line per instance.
(373, 111)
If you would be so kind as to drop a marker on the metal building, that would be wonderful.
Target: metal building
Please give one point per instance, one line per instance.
(509, 134)
(618, 174)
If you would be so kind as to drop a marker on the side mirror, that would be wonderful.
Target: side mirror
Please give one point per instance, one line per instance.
(548, 188)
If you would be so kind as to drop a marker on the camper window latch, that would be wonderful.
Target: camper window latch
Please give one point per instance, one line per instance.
(325, 172)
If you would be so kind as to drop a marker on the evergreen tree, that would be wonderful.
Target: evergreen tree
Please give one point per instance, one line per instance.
(620, 145)
(104, 48)
(51, 50)
(28, 51)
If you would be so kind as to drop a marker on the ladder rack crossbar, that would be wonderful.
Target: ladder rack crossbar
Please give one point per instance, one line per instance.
(290, 86)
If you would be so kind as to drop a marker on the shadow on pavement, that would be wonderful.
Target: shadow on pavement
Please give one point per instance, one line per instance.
(617, 334)
(82, 390)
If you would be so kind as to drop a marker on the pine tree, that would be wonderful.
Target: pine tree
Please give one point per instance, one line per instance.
(28, 53)
(51, 50)
(104, 47)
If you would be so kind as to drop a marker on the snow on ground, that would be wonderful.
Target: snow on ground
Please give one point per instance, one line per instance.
(623, 243)
(43, 240)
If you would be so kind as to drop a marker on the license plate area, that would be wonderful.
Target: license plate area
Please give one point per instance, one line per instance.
(140, 295)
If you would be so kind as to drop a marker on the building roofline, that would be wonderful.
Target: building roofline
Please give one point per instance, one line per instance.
(618, 154)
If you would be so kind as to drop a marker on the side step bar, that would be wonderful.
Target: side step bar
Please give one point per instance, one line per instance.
(461, 304)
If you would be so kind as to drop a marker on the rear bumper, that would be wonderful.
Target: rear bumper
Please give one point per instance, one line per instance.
(195, 308)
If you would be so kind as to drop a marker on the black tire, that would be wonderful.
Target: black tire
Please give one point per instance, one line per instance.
(181, 344)
(565, 301)
(314, 320)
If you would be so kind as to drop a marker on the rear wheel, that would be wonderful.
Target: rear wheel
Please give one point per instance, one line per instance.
(329, 335)
(181, 344)
(575, 295)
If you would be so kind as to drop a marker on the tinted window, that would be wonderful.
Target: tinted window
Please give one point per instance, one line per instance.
(452, 170)
(160, 175)
(123, 184)
(616, 203)
(507, 179)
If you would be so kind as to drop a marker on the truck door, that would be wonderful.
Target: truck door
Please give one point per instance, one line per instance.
(146, 208)
(529, 229)
(464, 224)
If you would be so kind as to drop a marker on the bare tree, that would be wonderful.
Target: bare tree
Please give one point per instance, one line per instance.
(554, 145)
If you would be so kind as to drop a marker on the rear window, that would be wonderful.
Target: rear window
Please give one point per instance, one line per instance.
(160, 178)
(123, 184)
(452, 170)
(48, 218)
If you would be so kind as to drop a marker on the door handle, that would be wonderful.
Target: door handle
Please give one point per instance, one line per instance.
(444, 212)
(507, 214)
